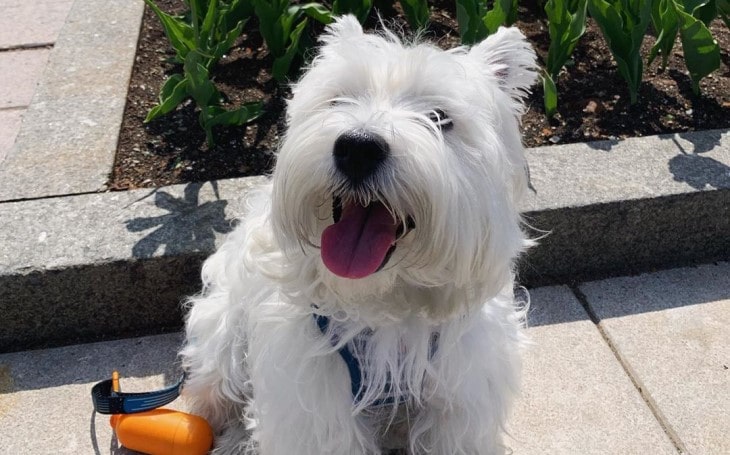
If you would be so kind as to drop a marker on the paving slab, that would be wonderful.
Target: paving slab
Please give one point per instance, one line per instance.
(69, 135)
(19, 75)
(624, 207)
(671, 329)
(576, 397)
(9, 125)
(31, 22)
(107, 264)
(45, 396)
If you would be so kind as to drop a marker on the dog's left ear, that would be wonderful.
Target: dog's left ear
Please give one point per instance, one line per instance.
(343, 28)
(509, 58)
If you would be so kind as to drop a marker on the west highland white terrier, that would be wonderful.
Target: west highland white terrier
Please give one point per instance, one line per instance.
(366, 301)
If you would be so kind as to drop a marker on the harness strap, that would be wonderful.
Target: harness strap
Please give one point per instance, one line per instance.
(355, 369)
(353, 365)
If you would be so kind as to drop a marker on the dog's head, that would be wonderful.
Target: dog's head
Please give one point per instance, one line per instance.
(403, 163)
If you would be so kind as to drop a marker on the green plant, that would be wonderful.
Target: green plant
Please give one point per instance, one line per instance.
(723, 10)
(566, 24)
(689, 19)
(623, 24)
(416, 12)
(282, 25)
(360, 8)
(210, 27)
(200, 38)
(476, 21)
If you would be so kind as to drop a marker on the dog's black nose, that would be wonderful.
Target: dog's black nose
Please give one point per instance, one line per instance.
(358, 154)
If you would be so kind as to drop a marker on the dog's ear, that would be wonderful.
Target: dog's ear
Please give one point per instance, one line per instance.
(508, 57)
(344, 27)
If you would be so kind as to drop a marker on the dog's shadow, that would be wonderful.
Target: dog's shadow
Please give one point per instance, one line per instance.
(189, 225)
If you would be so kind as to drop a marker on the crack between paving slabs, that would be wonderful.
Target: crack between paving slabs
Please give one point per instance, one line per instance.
(53, 196)
(13, 108)
(638, 385)
(27, 47)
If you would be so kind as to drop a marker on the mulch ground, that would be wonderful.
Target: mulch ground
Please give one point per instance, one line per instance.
(593, 101)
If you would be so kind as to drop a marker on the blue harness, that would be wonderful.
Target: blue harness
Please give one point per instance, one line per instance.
(355, 369)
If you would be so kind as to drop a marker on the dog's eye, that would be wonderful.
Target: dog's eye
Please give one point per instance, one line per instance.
(339, 101)
(440, 119)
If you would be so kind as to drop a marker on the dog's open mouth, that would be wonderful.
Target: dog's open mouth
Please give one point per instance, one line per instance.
(361, 240)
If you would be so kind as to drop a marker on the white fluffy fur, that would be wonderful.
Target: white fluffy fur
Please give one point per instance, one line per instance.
(259, 368)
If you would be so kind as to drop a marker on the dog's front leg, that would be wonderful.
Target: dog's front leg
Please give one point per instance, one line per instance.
(467, 409)
(453, 430)
(302, 395)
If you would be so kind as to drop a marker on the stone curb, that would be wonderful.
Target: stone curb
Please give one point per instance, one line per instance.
(78, 267)
(626, 207)
(104, 265)
(96, 266)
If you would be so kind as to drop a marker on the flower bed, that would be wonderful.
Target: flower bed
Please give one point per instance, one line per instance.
(593, 100)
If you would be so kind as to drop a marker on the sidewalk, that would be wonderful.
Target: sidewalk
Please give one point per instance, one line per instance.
(650, 378)
(646, 372)
(26, 38)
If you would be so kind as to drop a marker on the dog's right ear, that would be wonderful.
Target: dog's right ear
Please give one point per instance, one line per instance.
(343, 28)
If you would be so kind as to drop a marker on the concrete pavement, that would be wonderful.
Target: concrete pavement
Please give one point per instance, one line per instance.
(639, 379)
(28, 30)
(68, 138)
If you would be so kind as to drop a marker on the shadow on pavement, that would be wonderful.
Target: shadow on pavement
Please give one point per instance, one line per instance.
(90, 363)
(696, 170)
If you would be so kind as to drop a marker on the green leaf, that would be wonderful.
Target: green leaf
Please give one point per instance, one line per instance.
(551, 95)
(200, 6)
(207, 29)
(701, 52)
(180, 34)
(417, 12)
(273, 24)
(213, 116)
(318, 12)
(224, 46)
(469, 17)
(173, 92)
(665, 19)
(704, 10)
(723, 10)
(244, 114)
(566, 24)
(169, 86)
(623, 24)
(502, 13)
(282, 65)
(199, 85)
(360, 8)
(237, 11)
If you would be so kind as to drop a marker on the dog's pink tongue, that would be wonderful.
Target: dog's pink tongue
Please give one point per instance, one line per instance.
(356, 245)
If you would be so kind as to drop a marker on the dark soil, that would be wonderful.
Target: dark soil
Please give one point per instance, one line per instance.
(593, 101)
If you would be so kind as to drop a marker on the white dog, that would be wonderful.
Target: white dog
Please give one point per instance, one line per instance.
(366, 300)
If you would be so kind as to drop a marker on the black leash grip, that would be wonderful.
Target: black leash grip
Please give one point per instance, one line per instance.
(108, 401)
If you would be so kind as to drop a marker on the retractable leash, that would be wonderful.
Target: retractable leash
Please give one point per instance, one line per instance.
(141, 426)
